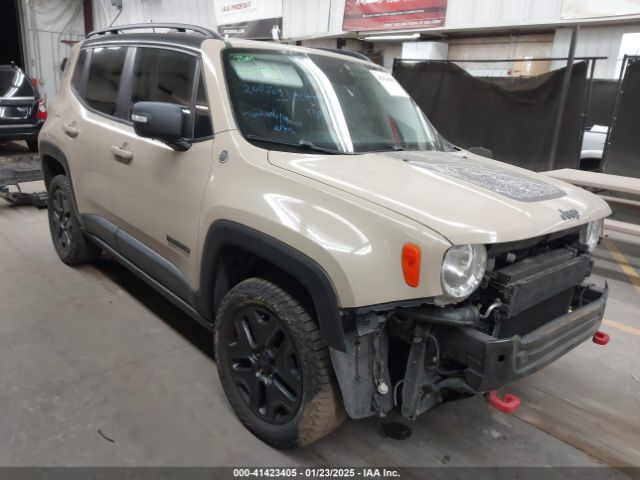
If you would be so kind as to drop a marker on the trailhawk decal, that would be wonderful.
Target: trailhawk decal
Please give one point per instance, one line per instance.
(494, 178)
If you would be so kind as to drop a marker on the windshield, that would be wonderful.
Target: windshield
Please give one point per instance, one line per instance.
(316, 102)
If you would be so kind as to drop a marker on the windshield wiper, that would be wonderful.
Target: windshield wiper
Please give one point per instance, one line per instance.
(391, 148)
(303, 144)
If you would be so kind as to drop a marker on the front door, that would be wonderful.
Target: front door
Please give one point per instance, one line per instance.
(157, 192)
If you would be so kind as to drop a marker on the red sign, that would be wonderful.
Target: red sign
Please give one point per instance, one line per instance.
(362, 15)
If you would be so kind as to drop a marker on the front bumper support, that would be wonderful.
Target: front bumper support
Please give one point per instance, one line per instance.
(491, 363)
(450, 359)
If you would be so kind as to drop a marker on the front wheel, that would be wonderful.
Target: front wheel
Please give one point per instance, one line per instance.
(274, 366)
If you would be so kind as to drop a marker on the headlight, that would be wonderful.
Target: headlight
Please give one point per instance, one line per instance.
(462, 270)
(590, 234)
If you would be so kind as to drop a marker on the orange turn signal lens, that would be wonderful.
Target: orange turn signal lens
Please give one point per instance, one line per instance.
(411, 264)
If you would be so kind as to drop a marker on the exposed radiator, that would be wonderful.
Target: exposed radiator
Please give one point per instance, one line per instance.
(536, 279)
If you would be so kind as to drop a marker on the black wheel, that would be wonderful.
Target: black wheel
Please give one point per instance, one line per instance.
(274, 366)
(33, 145)
(72, 246)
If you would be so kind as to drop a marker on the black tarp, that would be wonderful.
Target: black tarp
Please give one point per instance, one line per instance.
(515, 117)
(603, 99)
(622, 155)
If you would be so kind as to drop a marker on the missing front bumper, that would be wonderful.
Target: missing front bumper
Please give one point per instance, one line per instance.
(435, 343)
(491, 363)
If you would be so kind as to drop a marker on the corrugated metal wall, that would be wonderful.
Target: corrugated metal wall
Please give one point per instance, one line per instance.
(488, 13)
(306, 18)
(504, 47)
(301, 18)
(199, 12)
(51, 27)
(601, 41)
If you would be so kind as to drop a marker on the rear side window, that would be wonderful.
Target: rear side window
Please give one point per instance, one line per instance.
(169, 76)
(105, 73)
(76, 79)
(14, 83)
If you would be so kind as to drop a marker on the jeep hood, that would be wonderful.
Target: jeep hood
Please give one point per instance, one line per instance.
(463, 197)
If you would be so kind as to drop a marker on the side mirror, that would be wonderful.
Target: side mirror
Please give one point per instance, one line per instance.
(483, 152)
(160, 121)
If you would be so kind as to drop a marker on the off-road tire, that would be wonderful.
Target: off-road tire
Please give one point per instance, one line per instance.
(74, 248)
(320, 409)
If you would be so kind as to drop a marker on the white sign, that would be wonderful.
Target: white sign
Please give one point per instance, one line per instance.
(389, 83)
(572, 9)
(239, 11)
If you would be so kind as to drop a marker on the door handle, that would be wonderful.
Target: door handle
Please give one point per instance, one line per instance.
(121, 154)
(70, 130)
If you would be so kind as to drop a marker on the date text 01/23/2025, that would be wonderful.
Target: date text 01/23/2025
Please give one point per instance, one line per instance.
(316, 472)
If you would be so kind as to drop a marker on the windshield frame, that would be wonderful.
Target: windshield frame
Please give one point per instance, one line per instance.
(307, 146)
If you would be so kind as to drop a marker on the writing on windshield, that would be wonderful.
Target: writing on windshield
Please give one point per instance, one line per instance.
(330, 102)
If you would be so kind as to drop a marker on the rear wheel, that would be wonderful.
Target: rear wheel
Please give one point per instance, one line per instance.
(71, 244)
(274, 366)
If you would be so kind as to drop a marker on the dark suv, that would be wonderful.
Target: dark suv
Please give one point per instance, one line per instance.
(22, 108)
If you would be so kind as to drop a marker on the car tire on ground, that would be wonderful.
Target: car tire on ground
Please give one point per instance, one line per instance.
(71, 244)
(274, 367)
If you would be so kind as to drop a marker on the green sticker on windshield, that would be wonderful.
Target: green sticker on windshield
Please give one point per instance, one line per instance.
(243, 58)
(265, 71)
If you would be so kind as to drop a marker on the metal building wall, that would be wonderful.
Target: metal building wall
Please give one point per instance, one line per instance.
(199, 12)
(51, 28)
(301, 18)
(497, 13)
(596, 41)
(503, 47)
(307, 18)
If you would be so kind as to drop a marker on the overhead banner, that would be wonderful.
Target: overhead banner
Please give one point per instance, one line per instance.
(573, 9)
(253, 19)
(362, 15)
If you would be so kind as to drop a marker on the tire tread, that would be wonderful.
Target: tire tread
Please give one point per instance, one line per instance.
(325, 410)
(82, 249)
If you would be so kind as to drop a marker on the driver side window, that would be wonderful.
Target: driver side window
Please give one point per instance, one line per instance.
(162, 75)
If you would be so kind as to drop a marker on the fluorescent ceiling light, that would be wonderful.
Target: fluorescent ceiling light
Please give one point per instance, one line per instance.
(412, 36)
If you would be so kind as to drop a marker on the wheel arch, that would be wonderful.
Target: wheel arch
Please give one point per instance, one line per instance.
(54, 162)
(227, 241)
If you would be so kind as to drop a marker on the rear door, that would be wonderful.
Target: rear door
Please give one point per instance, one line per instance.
(90, 125)
(17, 97)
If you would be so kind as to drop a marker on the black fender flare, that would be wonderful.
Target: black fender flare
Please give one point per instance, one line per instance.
(304, 269)
(46, 148)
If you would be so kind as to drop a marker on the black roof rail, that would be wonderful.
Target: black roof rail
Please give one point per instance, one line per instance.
(178, 27)
(347, 52)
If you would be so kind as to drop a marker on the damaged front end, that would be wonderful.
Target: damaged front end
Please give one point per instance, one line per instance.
(531, 309)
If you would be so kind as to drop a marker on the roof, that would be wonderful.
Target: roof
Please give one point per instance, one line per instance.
(178, 36)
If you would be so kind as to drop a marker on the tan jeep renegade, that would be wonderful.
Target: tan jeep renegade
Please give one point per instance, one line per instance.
(298, 204)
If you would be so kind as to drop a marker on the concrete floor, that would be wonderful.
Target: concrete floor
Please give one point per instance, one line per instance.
(97, 369)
